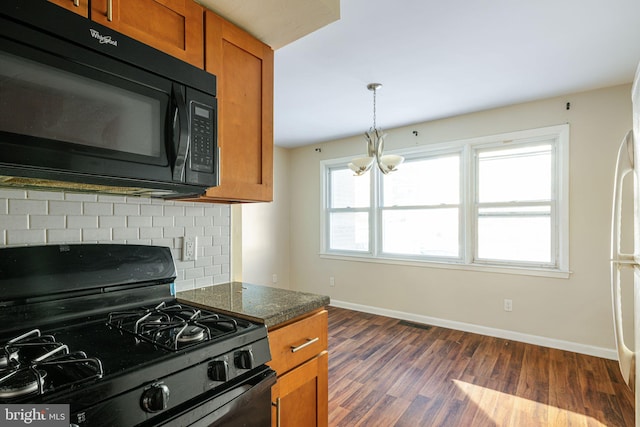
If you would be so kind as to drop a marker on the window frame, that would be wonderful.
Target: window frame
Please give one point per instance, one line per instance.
(468, 212)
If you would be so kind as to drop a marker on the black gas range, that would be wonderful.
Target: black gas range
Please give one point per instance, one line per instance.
(96, 326)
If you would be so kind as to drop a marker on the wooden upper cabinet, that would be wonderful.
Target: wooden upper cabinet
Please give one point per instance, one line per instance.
(172, 26)
(244, 68)
(81, 7)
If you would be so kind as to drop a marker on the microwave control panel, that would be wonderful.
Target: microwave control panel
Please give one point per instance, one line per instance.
(202, 133)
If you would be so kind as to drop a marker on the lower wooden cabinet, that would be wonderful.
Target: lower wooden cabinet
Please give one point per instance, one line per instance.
(300, 358)
(300, 396)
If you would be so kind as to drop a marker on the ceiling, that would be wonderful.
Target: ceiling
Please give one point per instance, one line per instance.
(439, 59)
(277, 22)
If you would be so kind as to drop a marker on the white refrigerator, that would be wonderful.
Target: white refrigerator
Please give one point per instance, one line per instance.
(628, 163)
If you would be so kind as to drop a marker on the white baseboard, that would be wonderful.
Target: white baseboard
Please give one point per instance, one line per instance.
(590, 350)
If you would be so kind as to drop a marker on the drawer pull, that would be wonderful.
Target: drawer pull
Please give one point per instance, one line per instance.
(109, 10)
(277, 405)
(76, 3)
(307, 344)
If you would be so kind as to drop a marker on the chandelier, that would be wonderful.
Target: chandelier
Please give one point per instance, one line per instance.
(375, 147)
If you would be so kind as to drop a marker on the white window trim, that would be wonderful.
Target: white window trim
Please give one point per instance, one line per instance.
(559, 132)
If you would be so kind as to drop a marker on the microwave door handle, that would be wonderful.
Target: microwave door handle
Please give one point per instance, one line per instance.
(619, 260)
(181, 120)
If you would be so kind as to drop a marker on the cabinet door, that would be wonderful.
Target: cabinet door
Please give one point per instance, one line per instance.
(81, 7)
(301, 395)
(244, 67)
(175, 27)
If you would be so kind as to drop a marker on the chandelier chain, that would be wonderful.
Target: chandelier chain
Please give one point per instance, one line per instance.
(374, 109)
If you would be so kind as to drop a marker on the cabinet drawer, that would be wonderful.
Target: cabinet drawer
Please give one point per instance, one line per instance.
(298, 342)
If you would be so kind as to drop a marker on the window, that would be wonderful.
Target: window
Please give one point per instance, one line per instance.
(349, 217)
(418, 219)
(492, 202)
(514, 204)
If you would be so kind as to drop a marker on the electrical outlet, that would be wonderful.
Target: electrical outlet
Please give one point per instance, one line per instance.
(189, 248)
(274, 278)
(332, 281)
(508, 305)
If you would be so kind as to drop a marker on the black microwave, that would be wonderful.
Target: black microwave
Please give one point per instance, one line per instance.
(84, 108)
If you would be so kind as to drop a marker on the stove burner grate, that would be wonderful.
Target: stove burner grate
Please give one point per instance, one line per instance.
(31, 358)
(172, 327)
(21, 382)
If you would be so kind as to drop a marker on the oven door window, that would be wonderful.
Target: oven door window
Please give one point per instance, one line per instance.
(82, 110)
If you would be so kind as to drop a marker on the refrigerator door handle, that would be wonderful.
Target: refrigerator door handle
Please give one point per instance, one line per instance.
(619, 260)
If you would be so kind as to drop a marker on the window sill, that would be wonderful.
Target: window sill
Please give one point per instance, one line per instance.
(522, 271)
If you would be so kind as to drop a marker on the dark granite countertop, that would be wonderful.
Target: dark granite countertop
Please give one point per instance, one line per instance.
(271, 306)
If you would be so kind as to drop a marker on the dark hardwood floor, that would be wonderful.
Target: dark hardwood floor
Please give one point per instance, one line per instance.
(386, 372)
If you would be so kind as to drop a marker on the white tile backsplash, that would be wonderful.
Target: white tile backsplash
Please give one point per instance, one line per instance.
(42, 217)
(96, 235)
(126, 209)
(139, 221)
(64, 208)
(15, 222)
(44, 222)
(82, 221)
(24, 207)
(64, 236)
(25, 237)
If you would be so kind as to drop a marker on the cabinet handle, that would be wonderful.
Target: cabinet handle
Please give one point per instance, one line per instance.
(307, 344)
(76, 3)
(277, 405)
(109, 10)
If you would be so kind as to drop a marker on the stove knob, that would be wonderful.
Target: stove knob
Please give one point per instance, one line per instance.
(244, 359)
(155, 398)
(219, 370)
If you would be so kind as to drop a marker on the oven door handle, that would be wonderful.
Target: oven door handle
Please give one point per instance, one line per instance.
(295, 349)
(180, 132)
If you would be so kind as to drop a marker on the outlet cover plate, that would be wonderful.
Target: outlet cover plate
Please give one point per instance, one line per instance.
(189, 249)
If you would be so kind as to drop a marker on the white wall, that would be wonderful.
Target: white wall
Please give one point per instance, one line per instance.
(574, 310)
(265, 231)
(38, 218)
